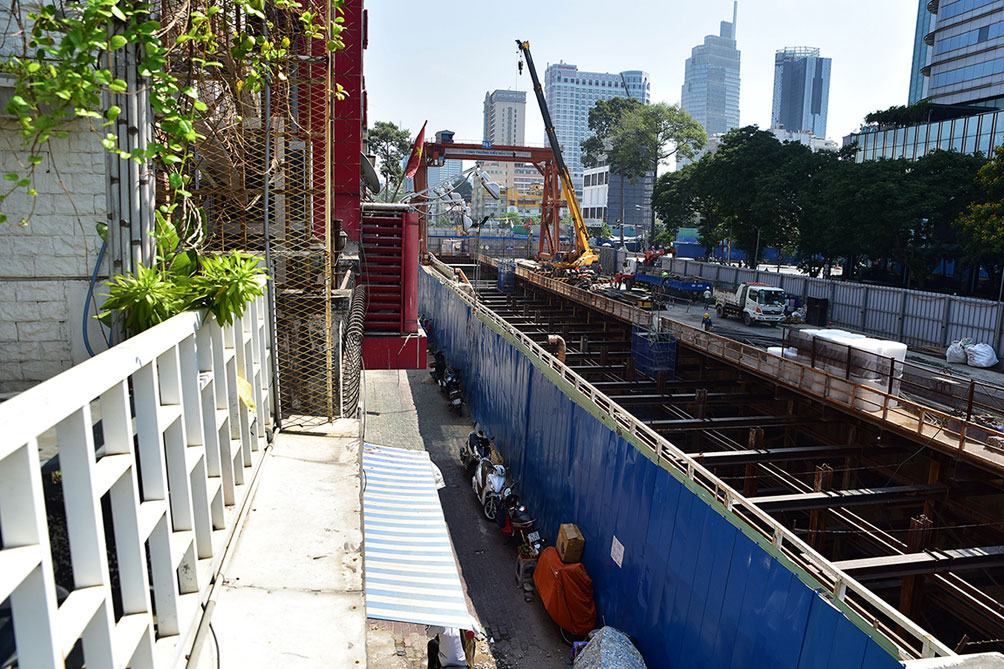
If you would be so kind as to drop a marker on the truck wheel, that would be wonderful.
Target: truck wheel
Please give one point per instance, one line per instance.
(746, 319)
(720, 311)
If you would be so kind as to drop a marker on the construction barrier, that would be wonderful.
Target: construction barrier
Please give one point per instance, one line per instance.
(692, 584)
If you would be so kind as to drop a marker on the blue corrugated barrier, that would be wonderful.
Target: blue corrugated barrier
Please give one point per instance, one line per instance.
(694, 588)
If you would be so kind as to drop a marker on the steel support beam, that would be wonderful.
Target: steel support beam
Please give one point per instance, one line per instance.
(752, 456)
(723, 423)
(860, 497)
(927, 562)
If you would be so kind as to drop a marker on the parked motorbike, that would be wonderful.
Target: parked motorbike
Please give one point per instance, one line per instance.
(438, 368)
(519, 523)
(451, 385)
(488, 482)
(476, 448)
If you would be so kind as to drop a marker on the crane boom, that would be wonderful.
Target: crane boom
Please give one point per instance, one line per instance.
(584, 255)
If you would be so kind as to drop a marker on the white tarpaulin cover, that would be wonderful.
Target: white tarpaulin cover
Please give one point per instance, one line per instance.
(411, 572)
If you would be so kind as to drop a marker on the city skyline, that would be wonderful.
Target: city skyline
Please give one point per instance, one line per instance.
(481, 54)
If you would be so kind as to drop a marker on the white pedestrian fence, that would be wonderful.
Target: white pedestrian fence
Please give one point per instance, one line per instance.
(157, 449)
(912, 316)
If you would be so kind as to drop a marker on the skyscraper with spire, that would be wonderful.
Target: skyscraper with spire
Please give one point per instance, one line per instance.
(711, 80)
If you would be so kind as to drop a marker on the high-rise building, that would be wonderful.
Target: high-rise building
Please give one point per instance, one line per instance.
(963, 79)
(505, 117)
(504, 123)
(920, 52)
(571, 93)
(801, 90)
(966, 61)
(711, 81)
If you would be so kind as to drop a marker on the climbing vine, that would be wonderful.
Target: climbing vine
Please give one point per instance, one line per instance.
(200, 65)
(64, 72)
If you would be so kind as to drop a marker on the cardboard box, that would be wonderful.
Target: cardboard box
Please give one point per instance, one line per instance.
(570, 543)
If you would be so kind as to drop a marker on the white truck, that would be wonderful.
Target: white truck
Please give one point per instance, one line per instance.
(752, 302)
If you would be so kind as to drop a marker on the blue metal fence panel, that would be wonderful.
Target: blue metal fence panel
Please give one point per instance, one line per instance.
(692, 589)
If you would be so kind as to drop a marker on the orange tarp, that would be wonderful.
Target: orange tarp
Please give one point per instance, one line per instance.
(567, 592)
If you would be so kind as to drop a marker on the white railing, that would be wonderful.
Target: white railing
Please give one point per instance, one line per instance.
(178, 453)
(911, 639)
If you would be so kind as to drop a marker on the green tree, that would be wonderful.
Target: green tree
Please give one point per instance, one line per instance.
(391, 145)
(675, 198)
(466, 190)
(636, 138)
(743, 183)
(981, 225)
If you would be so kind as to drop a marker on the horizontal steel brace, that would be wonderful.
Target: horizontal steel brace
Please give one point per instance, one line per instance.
(858, 497)
(928, 562)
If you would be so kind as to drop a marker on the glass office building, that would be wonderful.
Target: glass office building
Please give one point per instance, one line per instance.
(711, 82)
(918, 83)
(966, 52)
(971, 134)
(801, 90)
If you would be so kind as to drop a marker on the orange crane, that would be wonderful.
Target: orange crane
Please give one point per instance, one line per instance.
(583, 256)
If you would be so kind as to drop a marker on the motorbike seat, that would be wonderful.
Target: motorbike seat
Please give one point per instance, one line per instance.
(521, 517)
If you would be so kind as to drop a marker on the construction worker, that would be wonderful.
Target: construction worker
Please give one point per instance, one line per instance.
(707, 298)
(706, 322)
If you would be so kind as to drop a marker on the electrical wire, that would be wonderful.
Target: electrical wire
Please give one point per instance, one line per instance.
(90, 296)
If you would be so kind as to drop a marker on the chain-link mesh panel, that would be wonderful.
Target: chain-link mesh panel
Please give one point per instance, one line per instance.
(264, 165)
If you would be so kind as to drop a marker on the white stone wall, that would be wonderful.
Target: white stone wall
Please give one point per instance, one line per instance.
(45, 264)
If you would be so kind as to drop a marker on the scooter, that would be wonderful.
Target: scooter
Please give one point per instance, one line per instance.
(438, 368)
(451, 385)
(476, 448)
(488, 482)
(519, 521)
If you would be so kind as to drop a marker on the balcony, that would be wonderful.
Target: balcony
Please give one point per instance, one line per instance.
(113, 554)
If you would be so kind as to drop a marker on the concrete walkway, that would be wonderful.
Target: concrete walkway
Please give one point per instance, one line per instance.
(291, 590)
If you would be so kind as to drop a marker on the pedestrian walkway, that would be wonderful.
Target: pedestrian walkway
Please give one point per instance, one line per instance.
(290, 592)
(405, 409)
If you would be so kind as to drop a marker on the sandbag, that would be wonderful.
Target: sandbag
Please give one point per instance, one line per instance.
(981, 355)
(609, 648)
(567, 592)
(956, 353)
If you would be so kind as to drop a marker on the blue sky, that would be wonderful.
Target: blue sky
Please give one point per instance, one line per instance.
(435, 59)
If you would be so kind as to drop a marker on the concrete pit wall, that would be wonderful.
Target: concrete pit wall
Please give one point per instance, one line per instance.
(694, 588)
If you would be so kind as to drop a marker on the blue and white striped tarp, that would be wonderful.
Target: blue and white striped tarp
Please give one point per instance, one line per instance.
(411, 573)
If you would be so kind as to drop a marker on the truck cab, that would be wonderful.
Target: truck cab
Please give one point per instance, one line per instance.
(753, 303)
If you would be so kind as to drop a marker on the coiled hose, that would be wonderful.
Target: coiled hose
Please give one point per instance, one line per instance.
(352, 352)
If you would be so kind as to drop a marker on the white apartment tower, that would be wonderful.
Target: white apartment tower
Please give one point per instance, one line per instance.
(571, 93)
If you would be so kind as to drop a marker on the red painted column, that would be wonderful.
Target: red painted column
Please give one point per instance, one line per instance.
(349, 120)
(409, 269)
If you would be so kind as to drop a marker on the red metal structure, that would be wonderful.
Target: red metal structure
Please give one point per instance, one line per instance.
(436, 154)
(348, 121)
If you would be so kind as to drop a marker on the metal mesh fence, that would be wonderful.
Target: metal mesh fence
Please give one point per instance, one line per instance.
(260, 181)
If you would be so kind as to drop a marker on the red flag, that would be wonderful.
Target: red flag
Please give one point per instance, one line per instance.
(416, 153)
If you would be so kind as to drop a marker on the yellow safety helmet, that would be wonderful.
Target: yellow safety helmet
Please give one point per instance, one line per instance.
(707, 315)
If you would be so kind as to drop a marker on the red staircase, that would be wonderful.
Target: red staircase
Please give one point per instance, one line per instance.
(389, 259)
(382, 264)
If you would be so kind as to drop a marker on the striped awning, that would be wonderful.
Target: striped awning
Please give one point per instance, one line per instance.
(411, 572)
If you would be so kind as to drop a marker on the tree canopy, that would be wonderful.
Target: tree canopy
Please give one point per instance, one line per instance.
(825, 207)
(391, 145)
